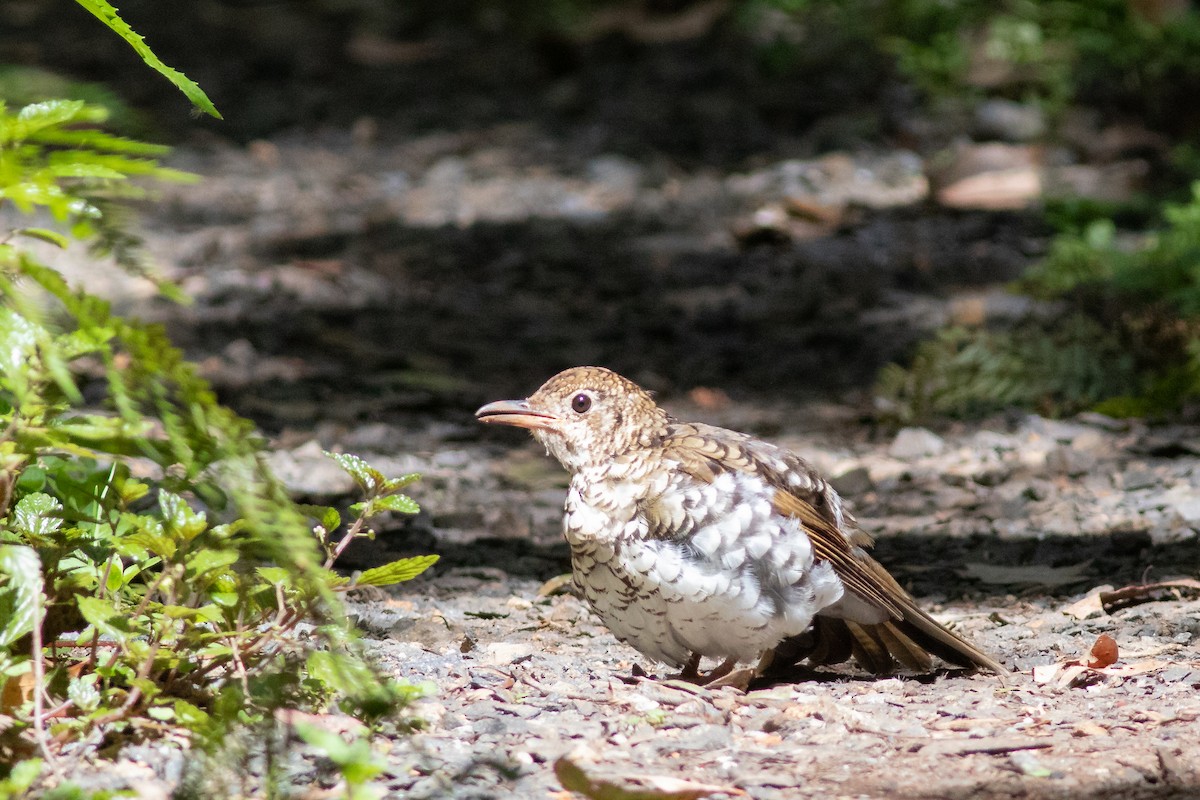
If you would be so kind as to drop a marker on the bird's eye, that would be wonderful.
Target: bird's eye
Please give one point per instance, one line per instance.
(581, 403)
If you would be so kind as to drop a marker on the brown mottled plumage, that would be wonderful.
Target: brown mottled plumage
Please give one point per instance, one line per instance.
(690, 540)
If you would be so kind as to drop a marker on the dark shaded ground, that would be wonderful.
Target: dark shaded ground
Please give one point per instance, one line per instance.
(272, 65)
(504, 306)
(526, 283)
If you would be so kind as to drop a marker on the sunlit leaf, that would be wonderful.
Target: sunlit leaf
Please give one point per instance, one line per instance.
(44, 234)
(82, 692)
(396, 502)
(20, 591)
(206, 560)
(189, 715)
(397, 571)
(179, 518)
(367, 477)
(275, 575)
(392, 484)
(108, 15)
(23, 774)
(106, 617)
(37, 515)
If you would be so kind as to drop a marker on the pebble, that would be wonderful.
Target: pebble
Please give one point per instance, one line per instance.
(916, 443)
(502, 653)
(1009, 120)
(853, 482)
(1070, 461)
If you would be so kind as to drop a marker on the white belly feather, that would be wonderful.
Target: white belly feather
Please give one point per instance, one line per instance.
(743, 579)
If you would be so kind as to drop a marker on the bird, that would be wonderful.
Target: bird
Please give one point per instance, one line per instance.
(691, 541)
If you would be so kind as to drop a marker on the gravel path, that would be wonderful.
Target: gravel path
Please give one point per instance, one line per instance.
(340, 296)
(1006, 531)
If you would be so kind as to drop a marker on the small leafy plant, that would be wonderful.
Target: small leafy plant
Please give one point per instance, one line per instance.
(154, 575)
(1126, 341)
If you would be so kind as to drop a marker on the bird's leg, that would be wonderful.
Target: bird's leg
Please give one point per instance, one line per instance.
(691, 670)
(692, 674)
(723, 669)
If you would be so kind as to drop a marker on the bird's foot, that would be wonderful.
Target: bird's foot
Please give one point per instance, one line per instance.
(691, 671)
(713, 678)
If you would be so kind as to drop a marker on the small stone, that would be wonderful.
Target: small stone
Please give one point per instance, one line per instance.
(1091, 441)
(1176, 675)
(1185, 501)
(992, 176)
(433, 633)
(503, 653)
(853, 482)
(1136, 479)
(1009, 120)
(916, 443)
(1090, 605)
(1070, 461)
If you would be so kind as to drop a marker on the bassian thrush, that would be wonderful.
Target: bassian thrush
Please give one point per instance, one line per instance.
(690, 540)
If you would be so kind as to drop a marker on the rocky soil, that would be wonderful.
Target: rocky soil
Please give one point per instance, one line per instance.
(367, 299)
(1032, 537)
(1017, 533)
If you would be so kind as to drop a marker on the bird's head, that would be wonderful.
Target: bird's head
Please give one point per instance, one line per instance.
(585, 416)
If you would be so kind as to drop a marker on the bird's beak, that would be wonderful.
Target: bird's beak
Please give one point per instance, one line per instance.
(518, 413)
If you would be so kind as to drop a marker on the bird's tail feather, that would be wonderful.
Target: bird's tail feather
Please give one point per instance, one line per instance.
(880, 648)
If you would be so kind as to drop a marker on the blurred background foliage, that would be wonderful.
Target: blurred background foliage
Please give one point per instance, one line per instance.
(1120, 273)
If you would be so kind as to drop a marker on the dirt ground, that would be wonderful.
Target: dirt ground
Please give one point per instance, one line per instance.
(365, 283)
(333, 335)
(994, 527)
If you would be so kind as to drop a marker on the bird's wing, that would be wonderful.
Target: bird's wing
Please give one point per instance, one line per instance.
(705, 451)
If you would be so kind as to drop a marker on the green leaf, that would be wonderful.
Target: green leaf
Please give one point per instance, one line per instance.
(94, 428)
(189, 715)
(108, 15)
(82, 170)
(23, 774)
(395, 502)
(209, 613)
(149, 536)
(20, 591)
(108, 619)
(323, 666)
(44, 234)
(327, 516)
(397, 571)
(97, 140)
(206, 560)
(18, 347)
(392, 484)
(132, 491)
(47, 114)
(32, 479)
(37, 515)
(178, 517)
(226, 599)
(367, 477)
(355, 760)
(275, 575)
